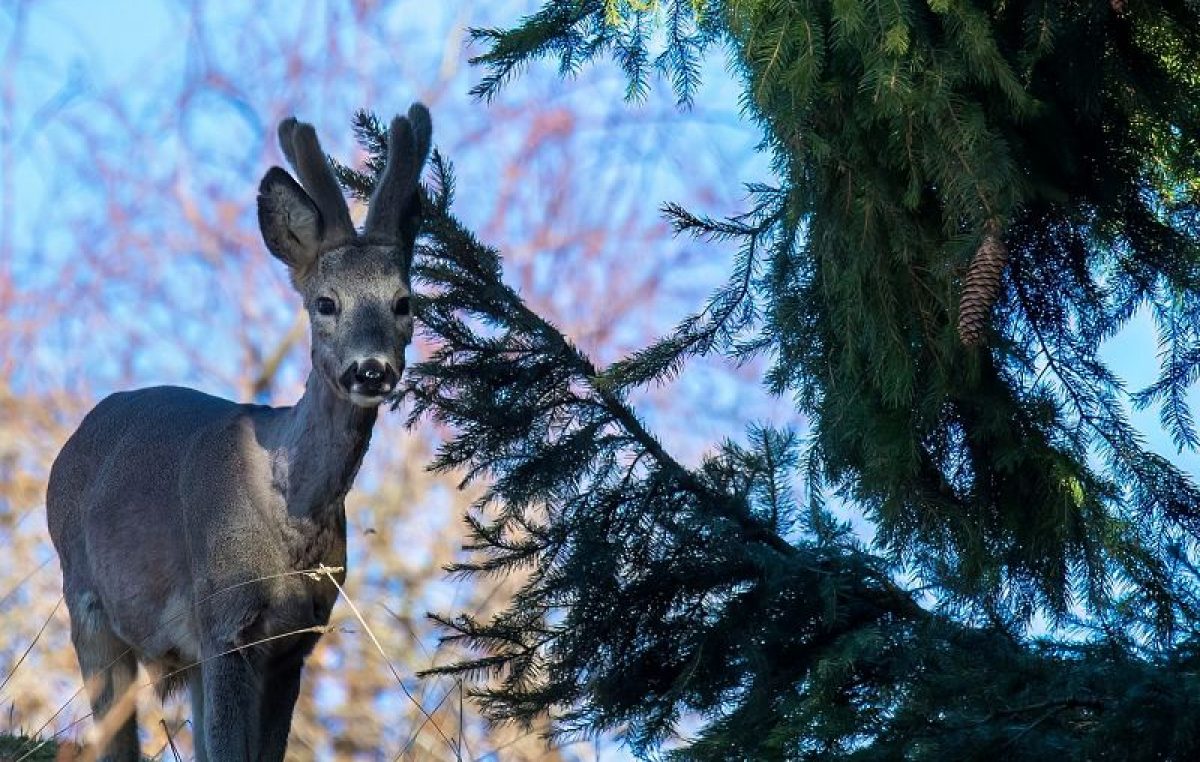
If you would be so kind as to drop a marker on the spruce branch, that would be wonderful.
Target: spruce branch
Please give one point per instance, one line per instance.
(896, 139)
(503, 300)
(729, 312)
(1008, 483)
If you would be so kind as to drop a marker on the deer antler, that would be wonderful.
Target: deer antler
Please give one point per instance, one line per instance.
(408, 145)
(303, 151)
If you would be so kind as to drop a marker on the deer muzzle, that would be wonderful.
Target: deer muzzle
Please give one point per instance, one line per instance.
(370, 379)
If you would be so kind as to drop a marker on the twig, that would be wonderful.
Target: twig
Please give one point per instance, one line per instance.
(170, 741)
(32, 643)
(328, 572)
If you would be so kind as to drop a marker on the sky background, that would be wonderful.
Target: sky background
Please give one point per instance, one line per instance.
(194, 112)
(132, 140)
(133, 135)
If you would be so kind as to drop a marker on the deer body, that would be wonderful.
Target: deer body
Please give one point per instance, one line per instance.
(188, 525)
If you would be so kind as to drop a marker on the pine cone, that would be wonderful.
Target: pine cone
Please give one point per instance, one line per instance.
(981, 287)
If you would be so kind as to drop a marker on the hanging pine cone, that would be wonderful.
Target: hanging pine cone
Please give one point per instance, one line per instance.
(981, 287)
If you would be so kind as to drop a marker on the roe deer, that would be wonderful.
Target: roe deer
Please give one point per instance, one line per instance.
(182, 520)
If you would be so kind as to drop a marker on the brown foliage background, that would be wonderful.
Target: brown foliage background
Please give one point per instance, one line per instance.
(132, 139)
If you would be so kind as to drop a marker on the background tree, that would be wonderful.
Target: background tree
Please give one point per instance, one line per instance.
(971, 198)
(131, 147)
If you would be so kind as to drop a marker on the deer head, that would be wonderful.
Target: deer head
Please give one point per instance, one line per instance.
(355, 285)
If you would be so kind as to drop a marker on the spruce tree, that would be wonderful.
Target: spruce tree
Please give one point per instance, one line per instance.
(972, 197)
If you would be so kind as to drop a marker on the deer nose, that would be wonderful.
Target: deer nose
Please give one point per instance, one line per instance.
(371, 377)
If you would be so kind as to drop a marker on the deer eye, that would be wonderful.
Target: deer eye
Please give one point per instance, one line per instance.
(326, 306)
(402, 306)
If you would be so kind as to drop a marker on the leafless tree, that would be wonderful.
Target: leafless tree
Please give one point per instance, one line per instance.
(128, 242)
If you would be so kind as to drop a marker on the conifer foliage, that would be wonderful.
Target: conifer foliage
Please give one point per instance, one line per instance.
(972, 197)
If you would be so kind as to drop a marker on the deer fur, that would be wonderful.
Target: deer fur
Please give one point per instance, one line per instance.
(184, 522)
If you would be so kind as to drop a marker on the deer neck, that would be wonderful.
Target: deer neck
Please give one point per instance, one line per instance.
(324, 440)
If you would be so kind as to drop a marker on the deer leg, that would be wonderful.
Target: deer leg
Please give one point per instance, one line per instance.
(109, 670)
(280, 690)
(196, 689)
(231, 708)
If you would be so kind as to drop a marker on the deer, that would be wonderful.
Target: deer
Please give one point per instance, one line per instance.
(189, 526)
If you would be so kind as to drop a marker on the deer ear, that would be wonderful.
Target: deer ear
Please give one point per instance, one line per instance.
(291, 226)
